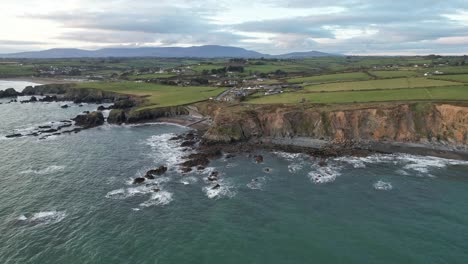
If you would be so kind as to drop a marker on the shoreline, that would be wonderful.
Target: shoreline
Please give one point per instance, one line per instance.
(39, 80)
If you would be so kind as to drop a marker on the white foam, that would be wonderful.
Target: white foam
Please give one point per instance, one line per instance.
(48, 170)
(22, 218)
(44, 218)
(324, 175)
(383, 186)
(295, 167)
(420, 164)
(257, 183)
(168, 151)
(159, 198)
(189, 180)
(225, 190)
(289, 156)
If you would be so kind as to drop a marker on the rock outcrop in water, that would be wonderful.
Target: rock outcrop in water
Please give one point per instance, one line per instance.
(10, 92)
(90, 120)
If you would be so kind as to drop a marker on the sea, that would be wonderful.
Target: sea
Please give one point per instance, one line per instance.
(70, 199)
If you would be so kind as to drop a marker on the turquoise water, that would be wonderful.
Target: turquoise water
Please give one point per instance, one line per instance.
(69, 199)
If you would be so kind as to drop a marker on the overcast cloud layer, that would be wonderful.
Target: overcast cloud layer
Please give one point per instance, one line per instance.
(346, 26)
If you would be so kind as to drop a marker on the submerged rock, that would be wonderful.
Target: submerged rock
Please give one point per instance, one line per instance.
(64, 106)
(138, 180)
(258, 158)
(13, 135)
(217, 186)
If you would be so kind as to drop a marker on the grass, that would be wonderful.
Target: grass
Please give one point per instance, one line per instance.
(339, 77)
(15, 70)
(380, 84)
(434, 93)
(393, 74)
(151, 76)
(456, 78)
(157, 95)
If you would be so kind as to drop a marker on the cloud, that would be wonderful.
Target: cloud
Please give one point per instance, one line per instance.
(8, 42)
(271, 26)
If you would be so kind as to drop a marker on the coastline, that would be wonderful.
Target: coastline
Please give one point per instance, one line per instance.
(322, 148)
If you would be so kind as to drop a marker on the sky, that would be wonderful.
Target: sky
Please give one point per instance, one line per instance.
(365, 27)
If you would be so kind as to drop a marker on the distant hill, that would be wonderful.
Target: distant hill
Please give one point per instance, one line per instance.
(308, 54)
(208, 51)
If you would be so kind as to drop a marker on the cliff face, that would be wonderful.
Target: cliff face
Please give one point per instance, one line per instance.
(418, 123)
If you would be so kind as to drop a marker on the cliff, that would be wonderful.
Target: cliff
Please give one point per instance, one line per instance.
(426, 123)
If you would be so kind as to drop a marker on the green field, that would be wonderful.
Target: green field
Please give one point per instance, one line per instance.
(380, 84)
(157, 95)
(434, 93)
(151, 76)
(15, 70)
(394, 74)
(456, 77)
(339, 77)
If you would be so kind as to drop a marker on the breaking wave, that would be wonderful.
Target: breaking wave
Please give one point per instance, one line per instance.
(158, 198)
(257, 183)
(324, 175)
(383, 186)
(48, 170)
(43, 218)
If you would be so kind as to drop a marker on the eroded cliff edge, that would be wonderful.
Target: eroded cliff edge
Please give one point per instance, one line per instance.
(390, 127)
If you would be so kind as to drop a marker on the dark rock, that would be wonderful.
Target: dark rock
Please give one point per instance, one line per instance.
(48, 98)
(64, 106)
(66, 121)
(230, 156)
(52, 130)
(13, 135)
(123, 104)
(117, 116)
(187, 143)
(33, 99)
(138, 180)
(322, 163)
(101, 108)
(176, 138)
(258, 158)
(90, 120)
(213, 176)
(197, 161)
(63, 126)
(200, 168)
(86, 112)
(10, 92)
(186, 169)
(159, 171)
(80, 105)
(156, 190)
(43, 127)
(217, 186)
(149, 176)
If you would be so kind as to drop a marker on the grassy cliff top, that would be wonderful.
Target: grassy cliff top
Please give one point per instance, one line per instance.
(157, 95)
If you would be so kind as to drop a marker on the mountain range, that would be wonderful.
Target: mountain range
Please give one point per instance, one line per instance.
(208, 51)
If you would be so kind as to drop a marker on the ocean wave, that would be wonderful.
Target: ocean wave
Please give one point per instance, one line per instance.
(257, 183)
(383, 186)
(44, 218)
(48, 170)
(158, 198)
(225, 190)
(289, 156)
(189, 180)
(420, 164)
(169, 151)
(324, 175)
(295, 167)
